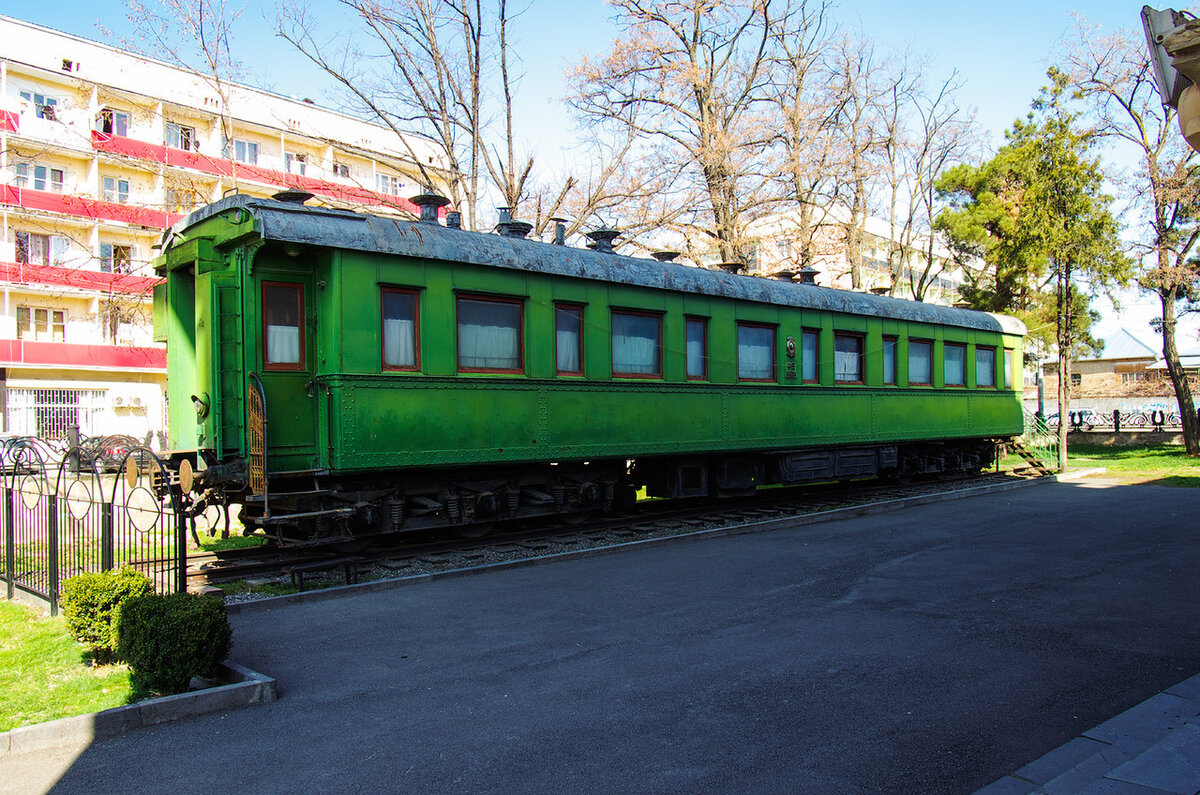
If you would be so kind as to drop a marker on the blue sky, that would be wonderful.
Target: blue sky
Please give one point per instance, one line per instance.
(1001, 51)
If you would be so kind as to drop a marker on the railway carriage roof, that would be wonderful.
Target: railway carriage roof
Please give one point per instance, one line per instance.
(342, 229)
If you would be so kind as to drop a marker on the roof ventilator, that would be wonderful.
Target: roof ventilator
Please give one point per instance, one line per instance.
(453, 219)
(560, 231)
(665, 256)
(808, 275)
(602, 239)
(731, 267)
(507, 227)
(292, 196)
(429, 203)
(784, 276)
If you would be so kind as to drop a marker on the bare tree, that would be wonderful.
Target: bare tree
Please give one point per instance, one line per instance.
(1111, 74)
(690, 77)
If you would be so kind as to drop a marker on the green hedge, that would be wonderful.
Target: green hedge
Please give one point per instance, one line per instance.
(89, 604)
(168, 639)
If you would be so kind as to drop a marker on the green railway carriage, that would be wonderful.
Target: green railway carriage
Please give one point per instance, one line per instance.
(342, 374)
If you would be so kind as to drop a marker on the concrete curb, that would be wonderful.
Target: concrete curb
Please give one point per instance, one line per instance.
(245, 687)
(336, 592)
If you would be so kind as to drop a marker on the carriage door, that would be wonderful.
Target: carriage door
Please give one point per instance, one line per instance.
(287, 355)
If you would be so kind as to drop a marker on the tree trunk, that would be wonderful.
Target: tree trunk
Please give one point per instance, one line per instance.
(1183, 390)
(1064, 368)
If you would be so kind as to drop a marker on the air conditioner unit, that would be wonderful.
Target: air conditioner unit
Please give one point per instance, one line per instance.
(118, 401)
(136, 402)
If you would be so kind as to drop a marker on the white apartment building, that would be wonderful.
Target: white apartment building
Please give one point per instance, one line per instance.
(779, 244)
(100, 151)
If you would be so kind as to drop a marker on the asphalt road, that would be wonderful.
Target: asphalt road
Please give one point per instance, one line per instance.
(930, 650)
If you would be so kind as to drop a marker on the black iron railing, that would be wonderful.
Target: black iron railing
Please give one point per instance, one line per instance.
(1151, 419)
(97, 506)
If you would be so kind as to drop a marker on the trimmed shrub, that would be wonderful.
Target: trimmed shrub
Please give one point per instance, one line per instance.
(89, 605)
(168, 639)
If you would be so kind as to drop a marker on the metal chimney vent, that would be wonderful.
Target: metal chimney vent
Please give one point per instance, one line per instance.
(560, 231)
(731, 267)
(602, 239)
(429, 203)
(784, 276)
(665, 256)
(515, 229)
(454, 219)
(292, 196)
(809, 275)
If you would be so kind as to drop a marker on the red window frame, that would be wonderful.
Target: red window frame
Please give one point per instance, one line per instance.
(385, 290)
(862, 356)
(992, 385)
(495, 299)
(285, 366)
(578, 310)
(703, 321)
(741, 324)
(895, 379)
(959, 346)
(929, 344)
(816, 335)
(658, 374)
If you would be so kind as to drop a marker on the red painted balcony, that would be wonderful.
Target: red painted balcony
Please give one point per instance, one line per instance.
(54, 276)
(65, 355)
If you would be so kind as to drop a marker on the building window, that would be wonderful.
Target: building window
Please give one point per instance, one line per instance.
(116, 259)
(920, 362)
(27, 175)
(955, 364)
(889, 360)
(568, 339)
(985, 367)
(490, 335)
(44, 107)
(283, 311)
(400, 331)
(41, 324)
(179, 200)
(180, 136)
(697, 348)
(114, 189)
(636, 344)
(112, 122)
(1076, 379)
(389, 184)
(847, 358)
(341, 170)
(243, 151)
(809, 357)
(1008, 369)
(756, 352)
(294, 163)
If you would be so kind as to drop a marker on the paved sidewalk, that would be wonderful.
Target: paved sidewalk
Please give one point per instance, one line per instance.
(934, 650)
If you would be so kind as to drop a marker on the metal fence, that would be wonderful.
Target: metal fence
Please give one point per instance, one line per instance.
(82, 509)
(1152, 419)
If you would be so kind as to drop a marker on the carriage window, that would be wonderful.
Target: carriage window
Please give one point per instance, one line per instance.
(568, 339)
(920, 358)
(399, 329)
(756, 352)
(1008, 369)
(808, 356)
(847, 358)
(985, 367)
(889, 360)
(697, 348)
(955, 364)
(636, 344)
(283, 309)
(489, 335)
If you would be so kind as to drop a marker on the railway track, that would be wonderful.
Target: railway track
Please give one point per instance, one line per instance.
(423, 554)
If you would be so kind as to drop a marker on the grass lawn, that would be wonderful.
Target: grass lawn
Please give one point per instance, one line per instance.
(1161, 465)
(42, 673)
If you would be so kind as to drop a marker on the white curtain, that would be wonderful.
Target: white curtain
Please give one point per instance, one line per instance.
(889, 361)
(695, 349)
(755, 352)
(808, 356)
(956, 356)
(847, 359)
(918, 363)
(399, 348)
(283, 344)
(488, 335)
(567, 340)
(985, 367)
(635, 344)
